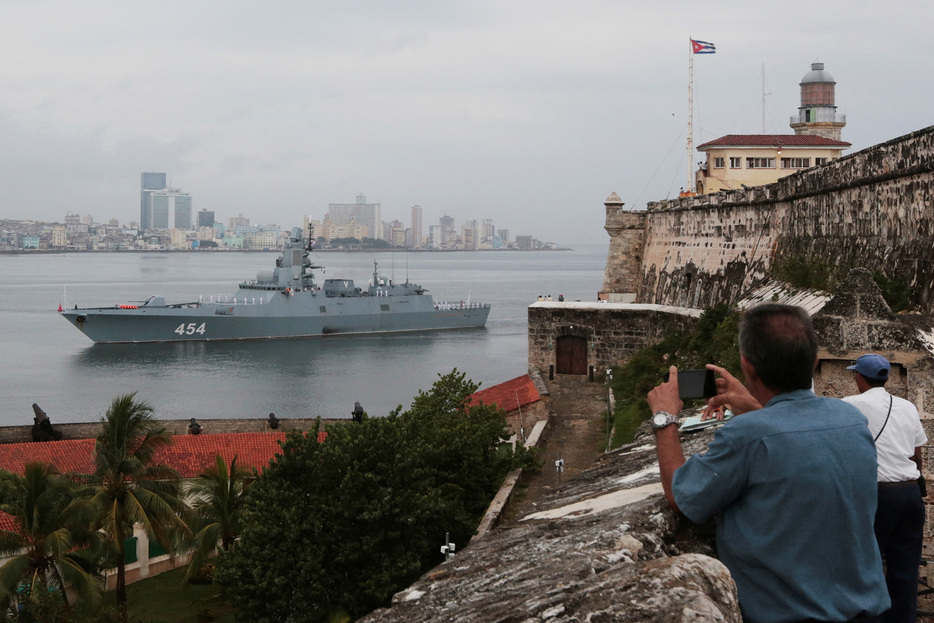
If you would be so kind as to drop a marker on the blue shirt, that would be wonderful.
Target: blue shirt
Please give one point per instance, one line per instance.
(796, 484)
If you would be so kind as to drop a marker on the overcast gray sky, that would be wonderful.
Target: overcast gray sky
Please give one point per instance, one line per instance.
(526, 112)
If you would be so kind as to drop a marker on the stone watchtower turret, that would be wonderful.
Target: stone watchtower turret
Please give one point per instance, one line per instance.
(817, 114)
(624, 259)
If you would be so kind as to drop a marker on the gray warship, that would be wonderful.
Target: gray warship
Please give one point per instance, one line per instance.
(285, 302)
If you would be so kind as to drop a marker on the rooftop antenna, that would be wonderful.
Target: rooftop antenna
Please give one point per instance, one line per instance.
(763, 97)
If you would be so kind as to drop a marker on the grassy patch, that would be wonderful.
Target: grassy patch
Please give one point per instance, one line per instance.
(163, 599)
(714, 340)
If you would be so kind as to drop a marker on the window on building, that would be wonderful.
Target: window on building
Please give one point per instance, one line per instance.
(736, 163)
(760, 163)
(718, 163)
(820, 161)
(796, 163)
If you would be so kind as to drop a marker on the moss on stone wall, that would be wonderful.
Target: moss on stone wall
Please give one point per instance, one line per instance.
(713, 340)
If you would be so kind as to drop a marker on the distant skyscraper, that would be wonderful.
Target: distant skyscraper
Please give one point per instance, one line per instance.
(159, 210)
(448, 235)
(183, 211)
(416, 226)
(367, 214)
(205, 218)
(164, 201)
(148, 183)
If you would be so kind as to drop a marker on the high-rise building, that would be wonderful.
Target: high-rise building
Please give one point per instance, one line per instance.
(183, 211)
(149, 182)
(366, 214)
(158, 210)
(162, 202)
(205, 218)
(448, 235)
(416, 226)
(239, 221)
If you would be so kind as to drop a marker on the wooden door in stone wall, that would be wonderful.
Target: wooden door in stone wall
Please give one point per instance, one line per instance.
(571, 355)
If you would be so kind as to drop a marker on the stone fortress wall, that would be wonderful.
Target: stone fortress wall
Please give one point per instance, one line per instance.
(873, 208)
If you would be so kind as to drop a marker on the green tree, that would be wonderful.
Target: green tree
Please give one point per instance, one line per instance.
(52, 518)
(339, 526)
(130, 488)
(216, 500)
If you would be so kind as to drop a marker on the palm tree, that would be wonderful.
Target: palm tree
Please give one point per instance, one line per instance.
(52, 517)
(216, 500)
(130, 489)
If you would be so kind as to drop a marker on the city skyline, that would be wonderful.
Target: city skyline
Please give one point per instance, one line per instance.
(530, 112)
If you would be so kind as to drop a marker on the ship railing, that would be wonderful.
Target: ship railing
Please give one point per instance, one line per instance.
(446, 305)
(226, 299)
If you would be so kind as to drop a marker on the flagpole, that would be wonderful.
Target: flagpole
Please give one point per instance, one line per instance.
(690, 155)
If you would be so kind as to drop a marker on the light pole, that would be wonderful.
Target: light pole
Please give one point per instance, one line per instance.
(609, 391)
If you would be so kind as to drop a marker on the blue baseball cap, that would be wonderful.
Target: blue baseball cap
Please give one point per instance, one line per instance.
(875, 367)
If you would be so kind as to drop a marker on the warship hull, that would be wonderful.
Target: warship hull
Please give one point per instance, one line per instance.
(202, 323)
(282, 303)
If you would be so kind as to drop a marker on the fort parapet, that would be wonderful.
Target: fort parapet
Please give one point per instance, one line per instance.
(873, 208)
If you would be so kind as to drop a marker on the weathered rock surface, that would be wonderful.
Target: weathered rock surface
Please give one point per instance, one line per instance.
(603, 547)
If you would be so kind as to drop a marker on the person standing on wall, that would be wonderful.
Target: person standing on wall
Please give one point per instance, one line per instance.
(896, 427)
(792, 480)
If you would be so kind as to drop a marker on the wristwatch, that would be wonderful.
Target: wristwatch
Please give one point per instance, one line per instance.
(661, 419)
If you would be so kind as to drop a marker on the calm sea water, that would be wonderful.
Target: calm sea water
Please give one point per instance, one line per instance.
(43, 359)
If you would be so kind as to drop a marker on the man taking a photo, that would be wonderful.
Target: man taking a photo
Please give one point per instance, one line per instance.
(794, 480)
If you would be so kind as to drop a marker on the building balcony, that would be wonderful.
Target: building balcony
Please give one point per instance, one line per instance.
(796, 119)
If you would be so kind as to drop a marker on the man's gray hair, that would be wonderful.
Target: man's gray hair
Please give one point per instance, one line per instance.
(780, 343)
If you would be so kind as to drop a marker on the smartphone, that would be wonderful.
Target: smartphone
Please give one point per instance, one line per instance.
(693, 384)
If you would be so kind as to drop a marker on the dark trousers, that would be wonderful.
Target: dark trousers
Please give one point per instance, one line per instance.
(899, 524)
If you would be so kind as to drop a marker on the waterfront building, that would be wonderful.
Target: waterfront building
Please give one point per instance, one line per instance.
(329, 230)
(366, 214)
(434, 237)
(416, 227)
(179, 239)
(59, 237)
(239, 221)
(205, 218)
(394, 232)
(448, 235)
(183, 211)
(504, 235)
(167, 201)
(740, 160)
(149, 182)
(524, 242)
(263, 239)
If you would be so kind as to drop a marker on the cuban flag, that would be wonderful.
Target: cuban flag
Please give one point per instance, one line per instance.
(702, 47)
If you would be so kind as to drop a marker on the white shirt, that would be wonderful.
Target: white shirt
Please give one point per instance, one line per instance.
(899, 438)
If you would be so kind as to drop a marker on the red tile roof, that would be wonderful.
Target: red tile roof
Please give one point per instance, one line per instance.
(510, 395)
(7, 522)
(189, 454)
(773, 140)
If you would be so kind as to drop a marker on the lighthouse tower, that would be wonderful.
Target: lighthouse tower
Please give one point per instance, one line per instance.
(817, 114)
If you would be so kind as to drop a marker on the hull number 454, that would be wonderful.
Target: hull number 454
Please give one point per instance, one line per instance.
(190, 329)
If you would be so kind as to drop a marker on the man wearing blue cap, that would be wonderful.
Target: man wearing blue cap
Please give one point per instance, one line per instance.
(897, 430)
